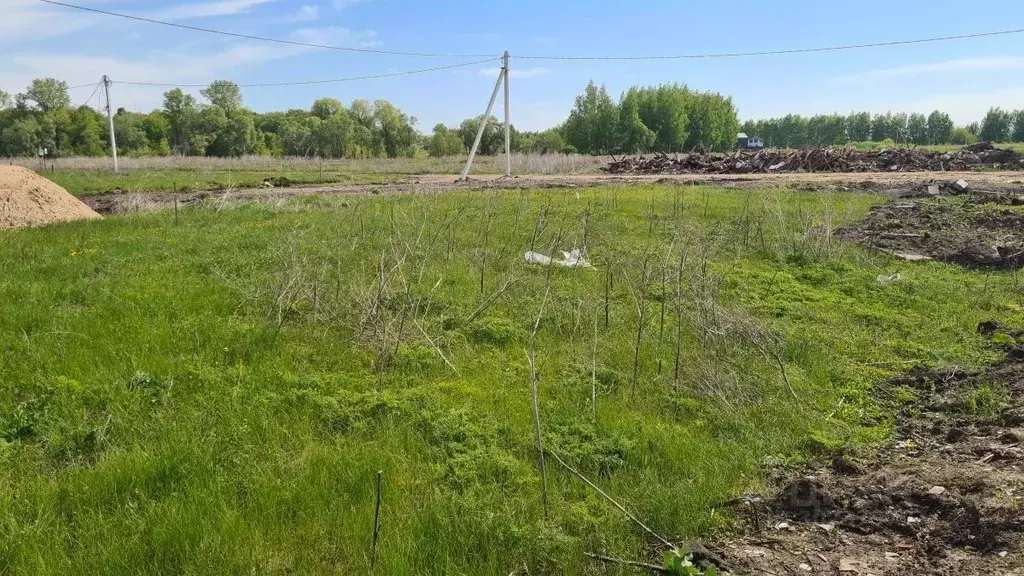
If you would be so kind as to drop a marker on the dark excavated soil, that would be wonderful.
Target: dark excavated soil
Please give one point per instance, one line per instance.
(987, 232)
(946, 497)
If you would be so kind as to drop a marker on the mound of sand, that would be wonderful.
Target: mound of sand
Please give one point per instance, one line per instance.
(28, 199)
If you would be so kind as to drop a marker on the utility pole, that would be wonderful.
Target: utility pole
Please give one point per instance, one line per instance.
(508, 119)
(483, 121)
(110, 121)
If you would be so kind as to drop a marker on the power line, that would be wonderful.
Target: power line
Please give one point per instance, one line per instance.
(89, 99)
(310, 82)
(262, 38)
(786, 51)
(81, 86)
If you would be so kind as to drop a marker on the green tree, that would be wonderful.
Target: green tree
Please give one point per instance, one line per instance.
(917, 129)
(182, 117)
(157, 128)
(592, 123)
(324, 108)
(129, 133)
(444, 141)
(1017, 133)
(826, 129)
(46, 94)
(940, 128)
(396, 130)
(492, 141)
(665, 110)
(995, 127)
(21, 138)
(713, 122)
(633, 135)
(85, 132)
(858, 126)
(962, 136)
(223, 93)
(333, 135)
(5, 100)
(881, 127)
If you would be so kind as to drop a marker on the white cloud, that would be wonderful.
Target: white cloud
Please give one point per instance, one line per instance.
(988, 63)
(160, 66)
(334, 36)
(967, 107)
(209, 9)
(306, 13)
(32, 20)
(516, 72)
(342, 4)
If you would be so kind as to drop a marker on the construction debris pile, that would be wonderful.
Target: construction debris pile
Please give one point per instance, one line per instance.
(981, 156)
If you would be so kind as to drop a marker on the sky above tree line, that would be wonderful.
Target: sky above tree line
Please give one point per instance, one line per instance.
(963, 78)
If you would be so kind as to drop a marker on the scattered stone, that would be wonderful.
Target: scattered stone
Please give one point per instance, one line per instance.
(937, 491)
(1002, 554)
(849, 565)
(806, 499)
(805, 567)
(990, 327)
(933, 190)
(961, 185)
(955, 435)
(842, 464)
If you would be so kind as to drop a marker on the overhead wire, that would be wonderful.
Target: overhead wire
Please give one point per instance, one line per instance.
(746, 54)
(311, 82)
(782, 51)
(80, 86)
(94, 90)
(262, 38)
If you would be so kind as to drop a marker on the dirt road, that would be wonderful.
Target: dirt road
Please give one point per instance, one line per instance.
(862, 182)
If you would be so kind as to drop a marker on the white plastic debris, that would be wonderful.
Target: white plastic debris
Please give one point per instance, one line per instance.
(537, 258)
(888, 278)
(573, 259)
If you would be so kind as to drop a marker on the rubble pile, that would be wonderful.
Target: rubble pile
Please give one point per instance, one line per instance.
(981, 156)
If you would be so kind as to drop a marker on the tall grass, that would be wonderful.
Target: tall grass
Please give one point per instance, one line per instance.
(217, 396)
(521, 162)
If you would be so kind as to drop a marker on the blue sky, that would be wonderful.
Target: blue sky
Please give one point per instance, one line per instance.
(961, 77)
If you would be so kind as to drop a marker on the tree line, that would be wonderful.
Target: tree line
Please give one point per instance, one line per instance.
(665, 118)
(795, 131)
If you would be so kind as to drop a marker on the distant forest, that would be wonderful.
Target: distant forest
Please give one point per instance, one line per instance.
(666, 118)
(794, 131)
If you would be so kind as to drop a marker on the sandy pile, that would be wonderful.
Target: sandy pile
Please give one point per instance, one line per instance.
(28, 199)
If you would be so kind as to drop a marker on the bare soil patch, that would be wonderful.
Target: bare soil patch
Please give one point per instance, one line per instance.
(27, 199)
(946, 497)
(893, 184)
(984, 231)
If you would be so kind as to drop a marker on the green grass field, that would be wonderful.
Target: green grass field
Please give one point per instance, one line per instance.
(83, 176)
(90, 182)
(216, 395)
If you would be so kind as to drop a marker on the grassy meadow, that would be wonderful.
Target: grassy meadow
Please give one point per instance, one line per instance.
(215, 394)
(84, 176)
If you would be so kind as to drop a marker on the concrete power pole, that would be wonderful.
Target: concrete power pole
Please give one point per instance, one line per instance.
(502, 77)
(110, 121)
(508, 119)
